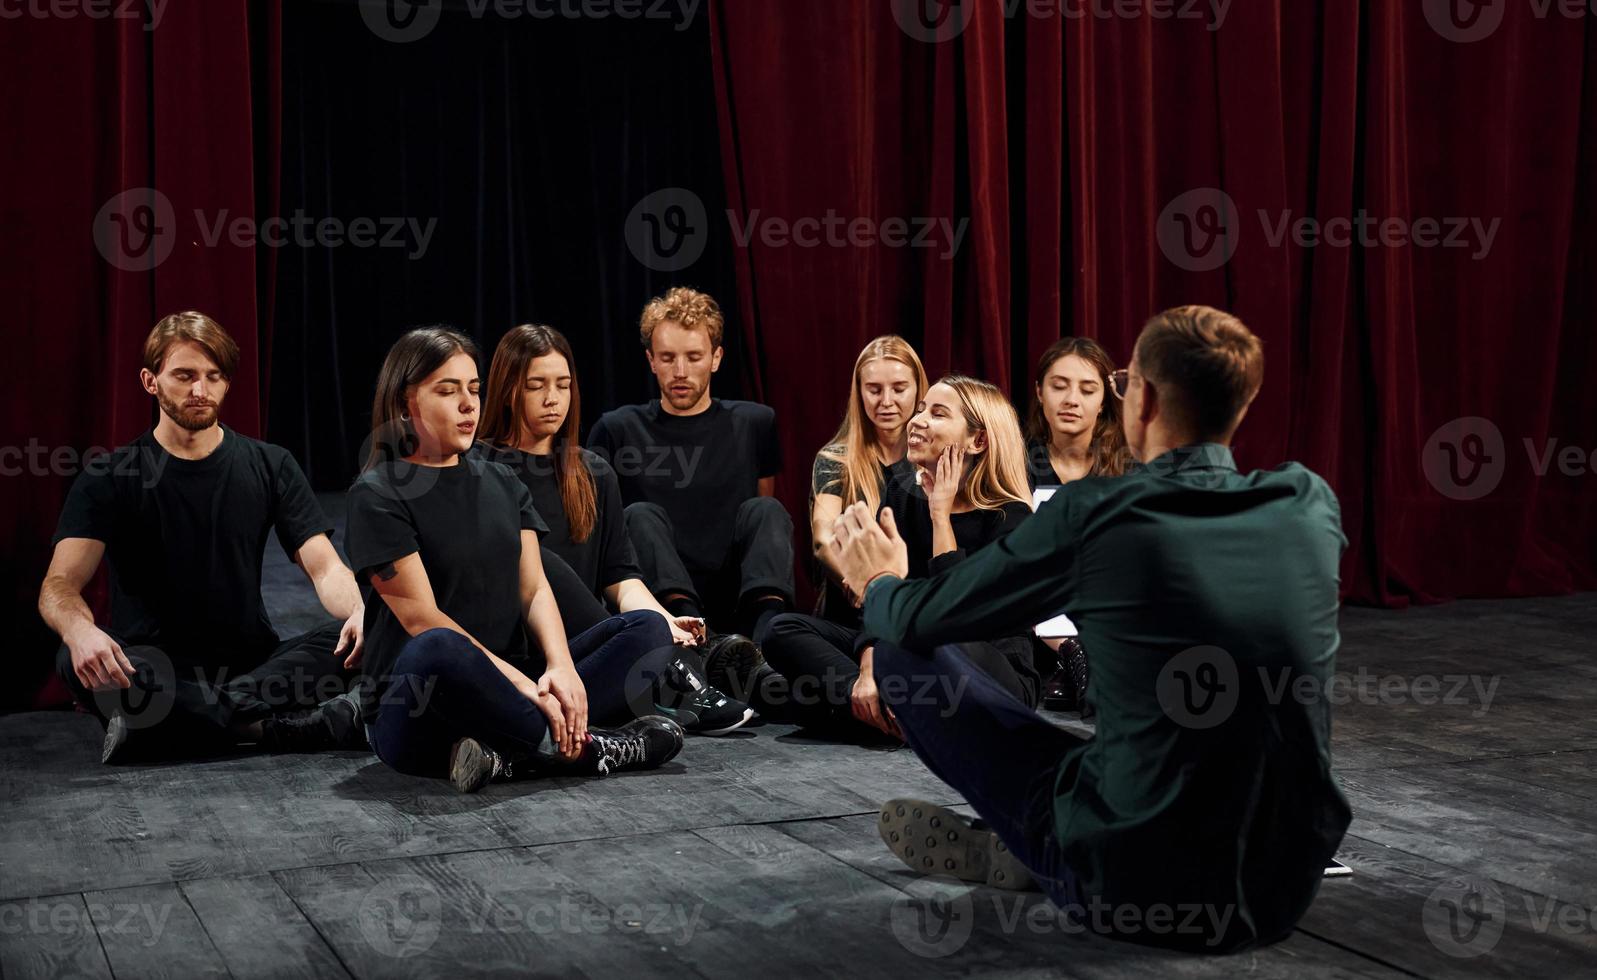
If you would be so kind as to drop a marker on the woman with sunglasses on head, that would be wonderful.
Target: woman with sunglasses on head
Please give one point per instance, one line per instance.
(468, 672)
(1074, 432)
(960, 487)
(888, 382)
(531, 419)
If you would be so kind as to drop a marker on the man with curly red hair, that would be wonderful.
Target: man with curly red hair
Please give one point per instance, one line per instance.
(698, 476)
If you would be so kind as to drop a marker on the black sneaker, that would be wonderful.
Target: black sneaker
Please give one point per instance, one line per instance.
(697, 707)
(117, 733)
(731, 662)
(473, 765)
(333, 724)
(933, 839)
(648, 743)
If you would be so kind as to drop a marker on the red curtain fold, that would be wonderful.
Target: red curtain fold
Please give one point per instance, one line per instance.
(96, 107)
(1077, 147)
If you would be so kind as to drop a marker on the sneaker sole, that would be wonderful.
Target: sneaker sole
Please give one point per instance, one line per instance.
(748, 716)
(935, 840)
(469, 768)
(729, 670)
(116, 740)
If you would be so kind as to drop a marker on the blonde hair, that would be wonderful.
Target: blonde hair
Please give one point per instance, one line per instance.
(998, 475)
(686, 307)
(853, 446)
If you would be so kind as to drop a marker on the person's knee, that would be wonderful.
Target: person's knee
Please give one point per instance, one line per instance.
(647, 517)
(765, 513)
(648, 628)
(431, 652)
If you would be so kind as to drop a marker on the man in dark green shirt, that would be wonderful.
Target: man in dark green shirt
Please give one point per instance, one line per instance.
(1203, 813)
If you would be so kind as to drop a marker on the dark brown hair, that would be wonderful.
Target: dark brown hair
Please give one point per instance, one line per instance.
(501, 418)
(412, 359)
(1108, 451)
(1213, 363)
(196, 328)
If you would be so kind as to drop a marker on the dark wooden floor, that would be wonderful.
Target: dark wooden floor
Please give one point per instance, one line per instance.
(757, 855)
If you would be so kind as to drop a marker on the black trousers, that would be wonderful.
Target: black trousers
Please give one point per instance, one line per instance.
(760, 560)
(818, 665)
(185, 699)
(580, 609)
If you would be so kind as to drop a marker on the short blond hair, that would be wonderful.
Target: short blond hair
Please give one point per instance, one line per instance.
(685, 307)
(195, 328)
(1214, 363)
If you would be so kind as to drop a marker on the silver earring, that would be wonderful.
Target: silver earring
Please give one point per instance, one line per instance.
(403, 417)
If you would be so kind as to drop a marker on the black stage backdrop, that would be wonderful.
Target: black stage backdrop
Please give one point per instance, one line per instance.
(524, 145)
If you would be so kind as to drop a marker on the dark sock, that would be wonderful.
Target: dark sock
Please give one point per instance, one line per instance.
(684, 605)
(762, 611)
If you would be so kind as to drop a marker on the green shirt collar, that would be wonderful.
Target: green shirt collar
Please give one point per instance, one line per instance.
(1201, 457)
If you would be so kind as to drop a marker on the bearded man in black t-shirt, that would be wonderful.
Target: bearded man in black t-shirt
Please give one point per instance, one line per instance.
(190, 661)
(698, 476)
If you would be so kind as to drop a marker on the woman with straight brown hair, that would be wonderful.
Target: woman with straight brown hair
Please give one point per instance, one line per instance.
(888, 382)
(1074, 429)
(531, 419)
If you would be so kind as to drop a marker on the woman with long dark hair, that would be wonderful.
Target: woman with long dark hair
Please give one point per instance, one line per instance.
(531, 419)
(460, 618)
(960, 487)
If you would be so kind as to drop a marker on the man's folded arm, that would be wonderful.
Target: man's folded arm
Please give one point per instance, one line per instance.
(1005, 588)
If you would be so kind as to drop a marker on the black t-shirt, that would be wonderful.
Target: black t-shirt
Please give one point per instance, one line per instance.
(606, 557)
(827, 477)
(185, 539)
(1039, 467)
(465, 521)
(700, 468)
(972, 530)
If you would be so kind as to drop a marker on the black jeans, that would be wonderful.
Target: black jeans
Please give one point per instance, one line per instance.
(760, 560)
(442, 689)
(818, 661)
(185, 699)
(982, 740)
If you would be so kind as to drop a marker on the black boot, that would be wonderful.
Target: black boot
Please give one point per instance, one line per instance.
(333, 724)
(1066, 690)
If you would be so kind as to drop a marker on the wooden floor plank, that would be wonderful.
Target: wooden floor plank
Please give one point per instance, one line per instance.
(50, 937)
(150, 931)
(258, 930)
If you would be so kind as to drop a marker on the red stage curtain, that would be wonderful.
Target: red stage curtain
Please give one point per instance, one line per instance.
(94, 107)
(1064, 140)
